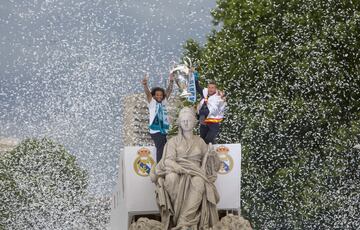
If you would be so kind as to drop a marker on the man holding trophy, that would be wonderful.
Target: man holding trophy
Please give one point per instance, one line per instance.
(211, 110)
(212, 104)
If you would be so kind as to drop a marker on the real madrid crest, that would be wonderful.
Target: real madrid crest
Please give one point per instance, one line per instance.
(227, 163)
(144, 162)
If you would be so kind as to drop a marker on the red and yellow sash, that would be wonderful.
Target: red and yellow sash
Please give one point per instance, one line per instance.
(213, 120)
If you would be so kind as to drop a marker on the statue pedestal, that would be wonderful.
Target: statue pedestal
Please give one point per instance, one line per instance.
(134, 192)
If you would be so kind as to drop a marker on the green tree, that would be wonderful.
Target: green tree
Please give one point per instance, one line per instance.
(292, 75)
(42, 187)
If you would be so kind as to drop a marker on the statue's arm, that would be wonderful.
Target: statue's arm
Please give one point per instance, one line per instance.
(216, 160)
(173, 166)
(213, 163)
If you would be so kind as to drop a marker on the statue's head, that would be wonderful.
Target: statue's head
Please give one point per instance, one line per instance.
(187, 119)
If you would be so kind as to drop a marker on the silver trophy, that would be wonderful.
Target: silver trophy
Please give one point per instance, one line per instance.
(181, 74)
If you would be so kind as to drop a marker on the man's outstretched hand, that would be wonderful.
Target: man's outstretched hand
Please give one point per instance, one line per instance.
(145, 80)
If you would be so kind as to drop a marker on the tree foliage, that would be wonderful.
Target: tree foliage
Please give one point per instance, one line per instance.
(291, 72)
(42, 187)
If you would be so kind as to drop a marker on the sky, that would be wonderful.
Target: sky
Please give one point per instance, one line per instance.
(65, 65)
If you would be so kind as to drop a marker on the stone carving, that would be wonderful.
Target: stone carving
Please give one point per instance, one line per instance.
(185, 177)
(146, 224)
(233, 222)
(228, 222)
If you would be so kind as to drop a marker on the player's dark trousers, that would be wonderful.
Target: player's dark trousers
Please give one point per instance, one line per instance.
(209, 132)
(160, 141)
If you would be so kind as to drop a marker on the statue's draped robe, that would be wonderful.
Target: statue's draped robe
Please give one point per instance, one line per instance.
(185, 189)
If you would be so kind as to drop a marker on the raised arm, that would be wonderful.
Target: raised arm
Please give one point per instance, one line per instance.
(199, 89)
(170, 86)
(146, 89)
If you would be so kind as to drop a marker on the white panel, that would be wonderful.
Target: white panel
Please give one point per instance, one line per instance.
(119, 215)
(139, 190)
(228, 185)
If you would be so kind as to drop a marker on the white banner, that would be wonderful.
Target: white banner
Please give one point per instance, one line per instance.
(192, 88)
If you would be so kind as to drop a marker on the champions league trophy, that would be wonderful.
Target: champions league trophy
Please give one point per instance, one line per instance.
(182, 74)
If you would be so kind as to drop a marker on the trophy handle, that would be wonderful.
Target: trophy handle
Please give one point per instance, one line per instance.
(172, 65)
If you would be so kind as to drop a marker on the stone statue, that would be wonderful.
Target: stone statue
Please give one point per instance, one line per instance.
(184, 178)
